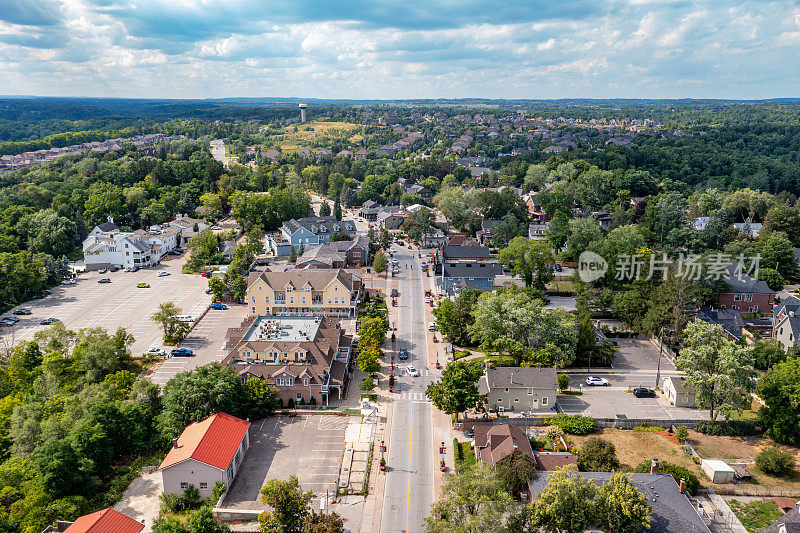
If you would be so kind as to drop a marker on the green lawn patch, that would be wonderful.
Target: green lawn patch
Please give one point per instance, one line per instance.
(464, 454)
(755, 516)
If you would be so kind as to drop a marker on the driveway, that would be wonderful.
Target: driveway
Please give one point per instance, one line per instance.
(140, 500)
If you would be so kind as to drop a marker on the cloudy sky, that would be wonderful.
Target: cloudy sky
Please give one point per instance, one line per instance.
(401, 49)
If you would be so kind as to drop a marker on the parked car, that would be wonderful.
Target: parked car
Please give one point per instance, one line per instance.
(558, 268)
(163, 273)
(219, 306)
(431, 326)
(428, 299)
(395, 293)
(596, 381)
(644, 392)
(48, 321)
(104, 280)
(178, 250)
(102, 270)
(143, 285)
(9, 321)
(182, 352)
(209, 291)
(115, 269)
(403, 354)
(22, 311)
(128, 269)
(413, 372)
(157, 352)
(135, 269)
(69, 282)
(215, 227)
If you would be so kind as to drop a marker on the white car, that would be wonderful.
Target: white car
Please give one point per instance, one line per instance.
(157, 352)
(162, 274)
(413, 372)
(69, 282)
(594, 381)
(428, 299)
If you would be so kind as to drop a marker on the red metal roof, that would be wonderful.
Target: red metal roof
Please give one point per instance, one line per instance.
(105, 521)
(213, 441)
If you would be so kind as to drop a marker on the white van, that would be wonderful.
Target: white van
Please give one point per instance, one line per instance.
(431, 326)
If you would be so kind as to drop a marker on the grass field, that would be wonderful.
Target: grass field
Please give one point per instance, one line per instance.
(633, 447)
(755, 515)
(316, 134)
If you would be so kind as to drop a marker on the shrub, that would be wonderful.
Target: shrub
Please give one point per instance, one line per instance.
(645, 427)
(681, 434)
(597, 455)
(727, 428)
(312, 400)
(563, 381)
(573, 424)
(290, 403)
(775, 462)
(367, 383)
(170, 503)
(677, 472)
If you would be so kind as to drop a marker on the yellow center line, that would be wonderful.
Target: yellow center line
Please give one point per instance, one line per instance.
(411, 404)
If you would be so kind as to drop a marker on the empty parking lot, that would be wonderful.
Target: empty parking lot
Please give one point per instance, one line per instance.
(609, 402)
(117, 304)
(309, 446)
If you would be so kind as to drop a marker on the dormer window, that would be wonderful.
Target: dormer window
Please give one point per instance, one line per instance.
(289, 288)
(323, 229)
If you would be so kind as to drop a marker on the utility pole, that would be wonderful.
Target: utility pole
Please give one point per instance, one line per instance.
(660, 352)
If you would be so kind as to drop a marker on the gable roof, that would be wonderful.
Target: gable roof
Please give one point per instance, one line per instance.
(672, 512)
(551, 461)
(212, 441)
(105, 521)
(319, 278)
(495, 443)
(523, 377)
(465, 252)
(730, 319)
(107, 227)
(743, 283)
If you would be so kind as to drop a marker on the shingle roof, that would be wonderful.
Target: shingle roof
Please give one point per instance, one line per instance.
(523, 377)
(672, 512)
(318, 278)
(105, 521)
(465, 252)
(107, 227)
(472, 269)
(791, 520)
(551, 461)
(494, 443)
(730, 319)
(745, 284)
(213, 441)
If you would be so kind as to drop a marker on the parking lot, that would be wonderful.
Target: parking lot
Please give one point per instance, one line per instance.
(117, 304)
(610, 402)
(309, 447)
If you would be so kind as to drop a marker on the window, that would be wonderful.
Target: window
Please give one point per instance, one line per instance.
(308, 289)
(499, 400)
(329, 299)
(266, 299)
(304, 299)
(291, 299)
(305, 382)
(748, 297)
(289, 382)
(184, 485)
(506, 389)
(280, 382)
(254, 309)
(299, 398)
(530, 392)
(516, 400)
(737, 297)
(203, 485)
(544, 400)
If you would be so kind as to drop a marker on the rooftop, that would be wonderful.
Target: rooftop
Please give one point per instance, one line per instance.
(284, 329)
(213, 441)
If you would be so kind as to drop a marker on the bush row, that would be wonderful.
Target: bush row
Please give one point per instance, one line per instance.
(573, 424)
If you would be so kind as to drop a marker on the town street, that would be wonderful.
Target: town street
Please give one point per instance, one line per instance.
(411, 450)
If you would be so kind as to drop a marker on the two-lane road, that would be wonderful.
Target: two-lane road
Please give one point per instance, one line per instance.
(408, 493)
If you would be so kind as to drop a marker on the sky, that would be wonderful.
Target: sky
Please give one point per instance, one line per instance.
(401, 49)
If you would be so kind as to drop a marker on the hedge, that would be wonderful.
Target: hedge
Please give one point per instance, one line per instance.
(728, 428)
(573, 424)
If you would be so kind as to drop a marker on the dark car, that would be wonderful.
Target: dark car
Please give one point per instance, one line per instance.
(403, 354)
(218, 306)
(104, 280)
(22, 311)
(48, 321)
(115, 269)
(644, 392)
(181, 352)
(558, 268)
(395, 293)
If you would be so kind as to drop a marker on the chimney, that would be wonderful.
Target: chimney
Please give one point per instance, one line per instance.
(654, 466)
(512, 377)
(682, 486)
(174, 443)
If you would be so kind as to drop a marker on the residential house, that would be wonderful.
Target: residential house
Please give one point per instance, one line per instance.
(671, 511)
(369, 211)
(460, 240)
(207, 452)
(493, 443)
(746, 294)
(227, 249)
(103, 521)
(519, 389)
(305, 232)
(700, 223)
(304, 357)
(433, 239)
(338, 254)
(602, 218)
(538, 232)
(749, 228)
(678, 392)
(552, 461)
(477, 172)
(786, 322)
(484, 235)
(464, 253)
(420, 190)
(536, 209)
(473, 274)
(304, 152)
(273, 155)
(304, 292)
(391, 220)
(730, 320)
(361, 153)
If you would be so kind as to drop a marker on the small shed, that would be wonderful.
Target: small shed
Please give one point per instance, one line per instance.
(741, 474)
(718, 471)
(678, 393)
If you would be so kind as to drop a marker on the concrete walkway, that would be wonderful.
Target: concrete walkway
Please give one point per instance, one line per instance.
(140, 500)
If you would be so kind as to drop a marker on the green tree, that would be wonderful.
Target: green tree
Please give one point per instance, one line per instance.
(167, 317)
(773, 278)
(528, 258)
(783, 218)
(454, 318)
(775, 462)
(262, 397)
(457, 391)
(515, 470)
(582, 232)
(98, 354)
(212, 205)
(337, 210)
(323, 523)
(325, 209)
(566, 505)
(777, 252)
(217, 287)
(780, 390)
(677, 473)
(473, 499)
(380, 263)
(597, 455)
(720, 372)
(508, 228)
(290, 506)
(767, 352)
(418, 223)
(620, 507)
(59, 468)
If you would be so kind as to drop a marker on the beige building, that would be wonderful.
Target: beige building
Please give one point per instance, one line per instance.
(207, 452)
(519, 389)
(678, 393)
(304, 292)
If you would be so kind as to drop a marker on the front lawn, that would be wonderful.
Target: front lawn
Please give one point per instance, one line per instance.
(755, 516)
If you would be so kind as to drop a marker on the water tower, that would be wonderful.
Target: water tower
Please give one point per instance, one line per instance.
(303, 107)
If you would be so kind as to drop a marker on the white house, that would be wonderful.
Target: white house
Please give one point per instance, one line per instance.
(207, 452)
(107, 246)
